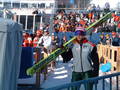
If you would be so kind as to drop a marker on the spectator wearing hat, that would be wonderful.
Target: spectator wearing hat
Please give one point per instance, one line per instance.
(85, 59)
(115, 39)
(53, 47)
(27, 40)
(37, 37)
(107, 7)
(108, 39)
(102, 39)
(37, 50)
(45, 43)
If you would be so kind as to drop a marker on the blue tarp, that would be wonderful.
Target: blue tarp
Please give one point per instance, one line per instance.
(106, 67)
(26, 61)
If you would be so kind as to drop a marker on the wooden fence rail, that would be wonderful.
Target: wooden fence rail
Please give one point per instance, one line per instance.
(110, 54)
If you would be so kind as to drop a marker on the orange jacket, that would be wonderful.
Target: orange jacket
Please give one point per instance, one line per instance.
(116, 18)
(35, 41)
(27, 42)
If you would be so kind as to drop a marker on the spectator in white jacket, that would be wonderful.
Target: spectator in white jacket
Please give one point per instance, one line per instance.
(45, 42)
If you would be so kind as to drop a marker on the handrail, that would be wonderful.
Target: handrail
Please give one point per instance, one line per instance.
(78, 83)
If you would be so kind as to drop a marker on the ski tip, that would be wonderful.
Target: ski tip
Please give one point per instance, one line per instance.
(30, 72)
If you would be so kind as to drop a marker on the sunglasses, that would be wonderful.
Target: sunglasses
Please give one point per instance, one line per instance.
(80, 33)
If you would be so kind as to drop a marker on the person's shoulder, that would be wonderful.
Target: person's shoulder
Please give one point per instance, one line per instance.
(91, 44)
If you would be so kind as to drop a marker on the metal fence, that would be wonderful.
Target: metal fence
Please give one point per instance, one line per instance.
(107, 82)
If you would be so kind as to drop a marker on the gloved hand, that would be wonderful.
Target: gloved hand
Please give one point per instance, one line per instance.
(62, 47)
(95, 73)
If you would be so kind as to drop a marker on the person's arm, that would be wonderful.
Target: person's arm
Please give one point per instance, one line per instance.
(40, 42)
(95, 60)
(49, 41)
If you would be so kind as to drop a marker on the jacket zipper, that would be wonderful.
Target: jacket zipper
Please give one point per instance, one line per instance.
(81, 56)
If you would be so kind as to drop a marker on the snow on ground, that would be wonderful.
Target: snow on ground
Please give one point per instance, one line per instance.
(61, 75)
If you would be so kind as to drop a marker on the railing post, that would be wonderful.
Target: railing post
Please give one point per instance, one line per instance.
(11, 4)
(18, 18)
(26, 22)
(118, 60)
(34, 16)
(38, 73)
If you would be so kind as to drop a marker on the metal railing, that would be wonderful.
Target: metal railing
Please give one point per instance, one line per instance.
(107, 82)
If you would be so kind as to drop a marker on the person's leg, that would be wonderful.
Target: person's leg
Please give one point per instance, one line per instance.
(76, 76)
(46, 68)
(88, 86)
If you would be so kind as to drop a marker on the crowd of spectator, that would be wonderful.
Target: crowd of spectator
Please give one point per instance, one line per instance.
(113, 39)
(65, 25)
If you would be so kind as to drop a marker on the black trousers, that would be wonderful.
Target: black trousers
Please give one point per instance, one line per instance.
(76, 76)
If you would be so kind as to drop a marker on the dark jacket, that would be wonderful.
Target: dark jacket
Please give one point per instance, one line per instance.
(115, 41)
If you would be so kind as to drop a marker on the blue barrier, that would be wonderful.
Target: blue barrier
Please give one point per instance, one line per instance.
(78, 83)
(26, 61)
